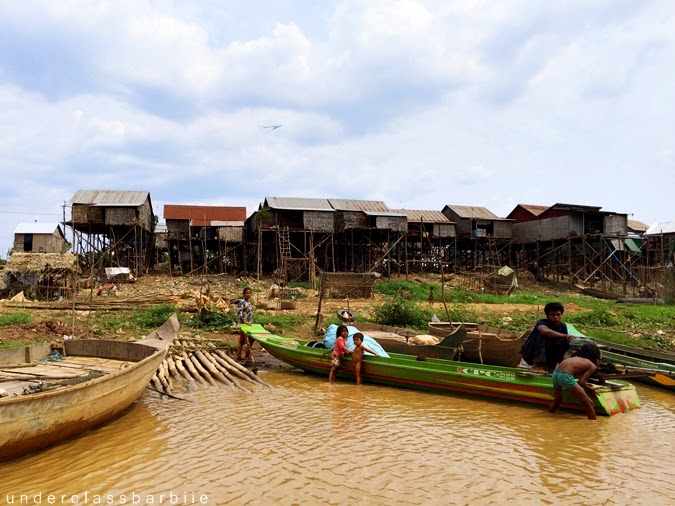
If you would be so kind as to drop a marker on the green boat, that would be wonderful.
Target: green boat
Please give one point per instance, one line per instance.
(633, 361)
(440, 375)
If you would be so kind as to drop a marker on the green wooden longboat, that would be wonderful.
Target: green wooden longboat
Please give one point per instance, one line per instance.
(439, 375)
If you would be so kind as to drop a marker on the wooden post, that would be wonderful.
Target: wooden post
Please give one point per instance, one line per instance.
(318, 310)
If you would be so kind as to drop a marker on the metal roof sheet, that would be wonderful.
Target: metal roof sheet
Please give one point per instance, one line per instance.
(299, 204)
(662, 227)
(575, 207)
(473, 212)
(534, 209)
(638, 226)
(204, 213)
(391, 214)
(415, 215)
(107, 198)
(37, 228)
(358, 205)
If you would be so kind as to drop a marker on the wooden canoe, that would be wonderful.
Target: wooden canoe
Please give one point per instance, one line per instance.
(485, 345)
(399, 340)
(93, 382)
(446, 376)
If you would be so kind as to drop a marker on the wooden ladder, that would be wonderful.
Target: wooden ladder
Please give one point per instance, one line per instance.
(284, 251)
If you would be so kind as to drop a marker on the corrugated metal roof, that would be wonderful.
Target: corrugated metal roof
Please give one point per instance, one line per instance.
(637, 226)
(575, 207)
(37, 228)
(473, 212)
(535, 210)
(416, 216)
(663, 227)
(215, 223)
(358, 205)
(108, 198)
(391, 214)
(299, 204)
(204, 213)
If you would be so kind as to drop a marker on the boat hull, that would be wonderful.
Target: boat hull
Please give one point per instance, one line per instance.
(438, 375)
(29, 423)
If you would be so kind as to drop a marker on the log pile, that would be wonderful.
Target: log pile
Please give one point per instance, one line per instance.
(189, 364)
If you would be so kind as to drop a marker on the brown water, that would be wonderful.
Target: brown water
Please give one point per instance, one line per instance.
(306, 442)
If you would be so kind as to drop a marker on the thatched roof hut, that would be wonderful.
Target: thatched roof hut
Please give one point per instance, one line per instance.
(41, 275)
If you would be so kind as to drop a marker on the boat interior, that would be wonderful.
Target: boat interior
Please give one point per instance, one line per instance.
(41, 368)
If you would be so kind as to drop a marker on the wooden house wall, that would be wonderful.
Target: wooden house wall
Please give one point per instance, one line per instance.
(575, 225)
(231, 234)
(145, 215)
(319, 221)
(464, 227)
(444, 230)
(178, 229)
(116, 216)
(161, 241)
(83, 213)
(394, 223)
(346, 220)
(616, 224)
(502, 229)
(42, 243)
(541, 230)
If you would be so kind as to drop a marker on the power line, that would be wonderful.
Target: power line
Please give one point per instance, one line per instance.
(31, 213)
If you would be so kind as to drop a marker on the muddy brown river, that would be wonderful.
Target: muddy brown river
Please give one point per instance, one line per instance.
(307, 442)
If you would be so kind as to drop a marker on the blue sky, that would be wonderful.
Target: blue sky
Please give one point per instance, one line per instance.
(417, 103)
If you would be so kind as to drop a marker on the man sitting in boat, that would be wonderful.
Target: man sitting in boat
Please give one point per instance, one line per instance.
(549, 341)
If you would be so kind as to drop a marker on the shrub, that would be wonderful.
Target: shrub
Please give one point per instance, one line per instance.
(401, 313)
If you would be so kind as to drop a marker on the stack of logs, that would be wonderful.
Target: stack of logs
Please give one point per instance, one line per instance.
(203, 367)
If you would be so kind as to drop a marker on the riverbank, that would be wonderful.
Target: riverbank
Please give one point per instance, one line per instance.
(207, 310)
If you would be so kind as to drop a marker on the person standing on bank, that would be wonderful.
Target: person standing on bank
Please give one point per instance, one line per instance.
(245, 315)
(549, 341)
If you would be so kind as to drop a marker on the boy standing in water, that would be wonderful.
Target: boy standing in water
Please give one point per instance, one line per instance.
(339, 351)
(245, 315)
(357, 355)
(584, 364)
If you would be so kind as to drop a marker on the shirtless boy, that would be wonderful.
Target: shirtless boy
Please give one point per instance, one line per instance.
(357, 355)
(584, 364)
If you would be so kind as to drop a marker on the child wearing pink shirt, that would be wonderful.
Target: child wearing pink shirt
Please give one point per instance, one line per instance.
(339, 352)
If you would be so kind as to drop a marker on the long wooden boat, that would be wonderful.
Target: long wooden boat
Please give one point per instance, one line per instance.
(439, 375)
(658, 372)
(401, 340)
(485, 345)
(51, 399)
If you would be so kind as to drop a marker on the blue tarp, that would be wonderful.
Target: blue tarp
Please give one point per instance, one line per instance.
(368, 342)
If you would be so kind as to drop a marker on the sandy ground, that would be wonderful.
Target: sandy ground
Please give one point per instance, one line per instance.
(189, 293)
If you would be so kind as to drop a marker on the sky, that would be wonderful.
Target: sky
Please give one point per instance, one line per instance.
(419, 103)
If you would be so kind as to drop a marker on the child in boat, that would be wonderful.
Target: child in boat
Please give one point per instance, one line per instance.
(245, 315)
(584, 364)
(357, 355)
(339, 351)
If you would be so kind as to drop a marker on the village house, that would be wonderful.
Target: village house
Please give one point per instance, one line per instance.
(39, 238)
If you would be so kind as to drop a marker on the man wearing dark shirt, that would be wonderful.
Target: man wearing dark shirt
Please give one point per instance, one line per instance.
(549, 341)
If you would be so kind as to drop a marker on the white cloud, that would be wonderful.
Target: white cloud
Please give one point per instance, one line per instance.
(418, 103)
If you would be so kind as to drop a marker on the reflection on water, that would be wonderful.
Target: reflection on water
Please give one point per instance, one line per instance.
(307, 442)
